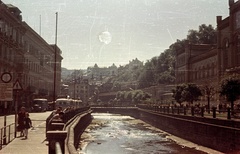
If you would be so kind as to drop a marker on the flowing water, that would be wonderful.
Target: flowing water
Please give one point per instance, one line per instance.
(117, 134)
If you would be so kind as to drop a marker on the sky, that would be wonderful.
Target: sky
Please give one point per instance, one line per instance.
(106, 32)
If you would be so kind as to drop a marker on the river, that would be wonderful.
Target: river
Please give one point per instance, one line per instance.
(117, 134)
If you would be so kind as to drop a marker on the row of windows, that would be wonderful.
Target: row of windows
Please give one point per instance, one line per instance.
(19, 48)
(10, 31)
(197, 74)
(181, 61)
(6, 53)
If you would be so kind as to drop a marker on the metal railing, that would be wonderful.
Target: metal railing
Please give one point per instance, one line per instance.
(57, 128)
(195, 111)
(7, 134)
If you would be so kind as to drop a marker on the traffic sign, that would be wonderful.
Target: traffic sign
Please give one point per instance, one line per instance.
(6, 91)
(6, 77)
(17, 85)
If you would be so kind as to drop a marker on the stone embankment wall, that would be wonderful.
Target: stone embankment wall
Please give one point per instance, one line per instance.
(219, 134)
(67, 135)
(75, 130)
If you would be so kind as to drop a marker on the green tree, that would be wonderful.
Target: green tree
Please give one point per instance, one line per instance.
(207, 34)
(191, 92)
(208, 91)
(137, 95)
(128, 96)
(179, 45)
(231, 89)
(147, 79)
(204, 35)
(193, 36)
(177, 93)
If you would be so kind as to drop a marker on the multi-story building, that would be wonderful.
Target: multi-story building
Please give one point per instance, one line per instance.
(80, 89)
(229, 40)
(39, 62)
(209, 64)
(27, 57)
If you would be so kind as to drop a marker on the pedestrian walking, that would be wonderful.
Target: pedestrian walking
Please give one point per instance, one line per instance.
(27, 124)
(21, 116)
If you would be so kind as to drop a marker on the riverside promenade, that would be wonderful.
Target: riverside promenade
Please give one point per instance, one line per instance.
(35, 144)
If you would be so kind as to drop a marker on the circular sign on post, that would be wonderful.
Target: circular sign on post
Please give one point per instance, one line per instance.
(6, 77)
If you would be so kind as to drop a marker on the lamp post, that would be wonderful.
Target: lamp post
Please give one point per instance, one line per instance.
(55, 62)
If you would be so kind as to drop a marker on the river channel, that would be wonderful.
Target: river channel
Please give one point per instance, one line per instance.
(117, 134)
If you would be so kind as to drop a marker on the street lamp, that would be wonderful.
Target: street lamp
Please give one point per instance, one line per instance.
(55, 62)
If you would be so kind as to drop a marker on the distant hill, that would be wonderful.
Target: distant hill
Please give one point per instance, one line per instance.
(65, 73)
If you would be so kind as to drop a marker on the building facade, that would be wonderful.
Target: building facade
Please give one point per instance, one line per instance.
(27, 57)
(207, 65)
(79, 89)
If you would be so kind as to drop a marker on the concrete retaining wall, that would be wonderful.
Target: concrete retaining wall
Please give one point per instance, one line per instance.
(222, 138)
(217, 134)
(75, 130)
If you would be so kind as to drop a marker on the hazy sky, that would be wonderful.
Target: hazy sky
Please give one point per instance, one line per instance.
(116, 31)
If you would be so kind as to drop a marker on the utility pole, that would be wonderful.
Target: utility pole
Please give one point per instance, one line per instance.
(55, 61)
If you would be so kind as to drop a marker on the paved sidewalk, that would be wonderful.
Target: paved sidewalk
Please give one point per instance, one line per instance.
(35, 144)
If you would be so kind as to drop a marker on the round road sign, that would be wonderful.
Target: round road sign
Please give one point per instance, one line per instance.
(6, 77)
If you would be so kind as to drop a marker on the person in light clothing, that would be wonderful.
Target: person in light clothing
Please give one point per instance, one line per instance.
(27, 124)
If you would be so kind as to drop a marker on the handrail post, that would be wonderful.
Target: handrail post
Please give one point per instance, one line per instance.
(214, 112)
(192, 111)
(53, 138)
(1, 143)
(9, 132)
(228, 113)
(202, 111)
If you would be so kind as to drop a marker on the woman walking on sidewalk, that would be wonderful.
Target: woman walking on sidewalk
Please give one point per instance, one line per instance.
(27, 124)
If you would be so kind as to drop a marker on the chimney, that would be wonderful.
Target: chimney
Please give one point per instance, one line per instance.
(219, 19)
(230, 2)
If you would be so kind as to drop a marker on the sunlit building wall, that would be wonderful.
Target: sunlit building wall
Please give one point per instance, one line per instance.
(209, 64)
(27, 56)
(79, 89)
(39, 62)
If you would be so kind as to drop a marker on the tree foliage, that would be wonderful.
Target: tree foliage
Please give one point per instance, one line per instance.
(177, 93)
(204, 35)
(191, 93)
(134, 96)
(187, 92)
(231, 89)
(159, 70)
